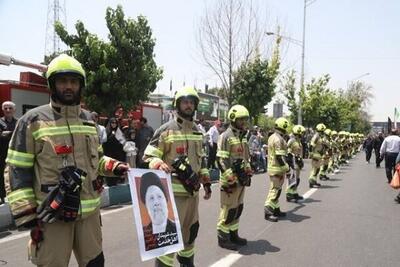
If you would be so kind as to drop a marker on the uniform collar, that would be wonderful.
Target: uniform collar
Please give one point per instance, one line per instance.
(66, 111)
(237, 132)
(184, 123)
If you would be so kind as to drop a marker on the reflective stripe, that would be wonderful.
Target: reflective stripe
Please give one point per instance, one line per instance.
(186, 253)
(223, 228)
(225, 175)
(25, 194)
(272, 204)
(154, 161)
(204, 171)
(167, 259)
(153, 151)
(223, 154)
(178, 188)
(280, 152)
(234, 227)
(183, 137)
(20, 159)
(89, 205)
(63, 130)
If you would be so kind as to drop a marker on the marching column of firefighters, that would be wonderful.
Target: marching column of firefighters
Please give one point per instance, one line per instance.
(53, 167)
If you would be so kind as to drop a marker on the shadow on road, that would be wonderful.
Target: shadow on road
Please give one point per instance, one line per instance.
(326, 186)
(335, 179)
(259, 247)
(4, 234)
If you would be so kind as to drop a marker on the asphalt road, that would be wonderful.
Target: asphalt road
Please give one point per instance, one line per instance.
(351, 220)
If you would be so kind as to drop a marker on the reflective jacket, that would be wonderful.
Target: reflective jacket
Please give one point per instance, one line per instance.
(232, 145)
(178, 137)
(277, 146)
(46, 139)
(317, 147)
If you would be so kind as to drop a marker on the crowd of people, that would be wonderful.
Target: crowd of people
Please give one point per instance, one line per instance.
(55, 166)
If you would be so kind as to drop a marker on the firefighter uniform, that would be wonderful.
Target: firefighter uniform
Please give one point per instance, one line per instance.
(317, 151)
(326, 157)
(176, 138)
(277, 169)
(295, 148)
(46, 140)
(234, 162)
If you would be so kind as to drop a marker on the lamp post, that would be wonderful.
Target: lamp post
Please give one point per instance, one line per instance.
(303, 45)
(357, 78)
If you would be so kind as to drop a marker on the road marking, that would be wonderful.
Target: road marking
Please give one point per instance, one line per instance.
(231, 258)
(26, 233)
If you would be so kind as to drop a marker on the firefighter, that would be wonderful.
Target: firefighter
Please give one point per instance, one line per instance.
(317, 151)
(53, 160)
(326, 157)
(277, 169)
(295, 150)
(233, 160)
(177, 148)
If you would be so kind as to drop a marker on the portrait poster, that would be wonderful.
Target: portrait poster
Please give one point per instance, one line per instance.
(156, 217)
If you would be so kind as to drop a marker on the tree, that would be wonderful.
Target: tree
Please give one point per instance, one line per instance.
(121, 71)
(288, 85)
(229, 36)
(254, 83)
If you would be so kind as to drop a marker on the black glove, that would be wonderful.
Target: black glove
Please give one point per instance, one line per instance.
(239, 171)
(186, 175)
(290, 160)
(50, 208)
(121, 169)
(280, 160)
(71, 180)
(299, 162)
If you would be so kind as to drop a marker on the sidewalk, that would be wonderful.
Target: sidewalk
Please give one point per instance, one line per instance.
(110, 196)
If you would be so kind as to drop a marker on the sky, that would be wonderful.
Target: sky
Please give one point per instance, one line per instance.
(349, 40)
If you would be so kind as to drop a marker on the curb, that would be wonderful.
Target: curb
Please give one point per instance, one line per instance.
(110, 196)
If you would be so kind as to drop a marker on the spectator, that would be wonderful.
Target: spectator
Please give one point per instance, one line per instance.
(7, 126)
(389, 150)
(213, 133)
(130, 145)
(143, 136)
(101, 130)
(368, 146)
(114, 146)
(377, 142)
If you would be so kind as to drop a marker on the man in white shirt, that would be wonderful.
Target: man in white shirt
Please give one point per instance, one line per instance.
(390, 148)
(213, 133)
(101, 130)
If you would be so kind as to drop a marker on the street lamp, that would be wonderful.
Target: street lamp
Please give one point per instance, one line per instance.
(303, 45)
(357, 78)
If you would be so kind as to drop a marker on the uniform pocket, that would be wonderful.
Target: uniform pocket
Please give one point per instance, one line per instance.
(92, 150)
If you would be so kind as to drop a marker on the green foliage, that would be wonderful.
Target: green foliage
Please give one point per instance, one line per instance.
(254, 83)
(121, 71)
(339, 110)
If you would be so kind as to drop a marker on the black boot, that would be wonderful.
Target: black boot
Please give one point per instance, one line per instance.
(159, 263)
(185, 262)
(298, 197)
(235, 238)
(313, 183)
(291, 197)
(269, 214)
(224, 241)
(279, 213)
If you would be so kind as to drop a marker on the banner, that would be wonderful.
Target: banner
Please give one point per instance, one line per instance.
(156, 217)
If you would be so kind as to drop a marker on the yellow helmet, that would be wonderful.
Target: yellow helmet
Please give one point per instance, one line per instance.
(334, 133)
(237, 112)
(342, 133)
(321, 127)
(188, 92)
(328, 132)
(64, 64)
(282, 124)
(298, 129)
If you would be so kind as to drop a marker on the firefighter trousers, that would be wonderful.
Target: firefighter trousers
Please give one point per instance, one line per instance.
(275, 190)
(231, 209)
(315, 166)
(292, 190)
(60, 238)
(188, 212)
